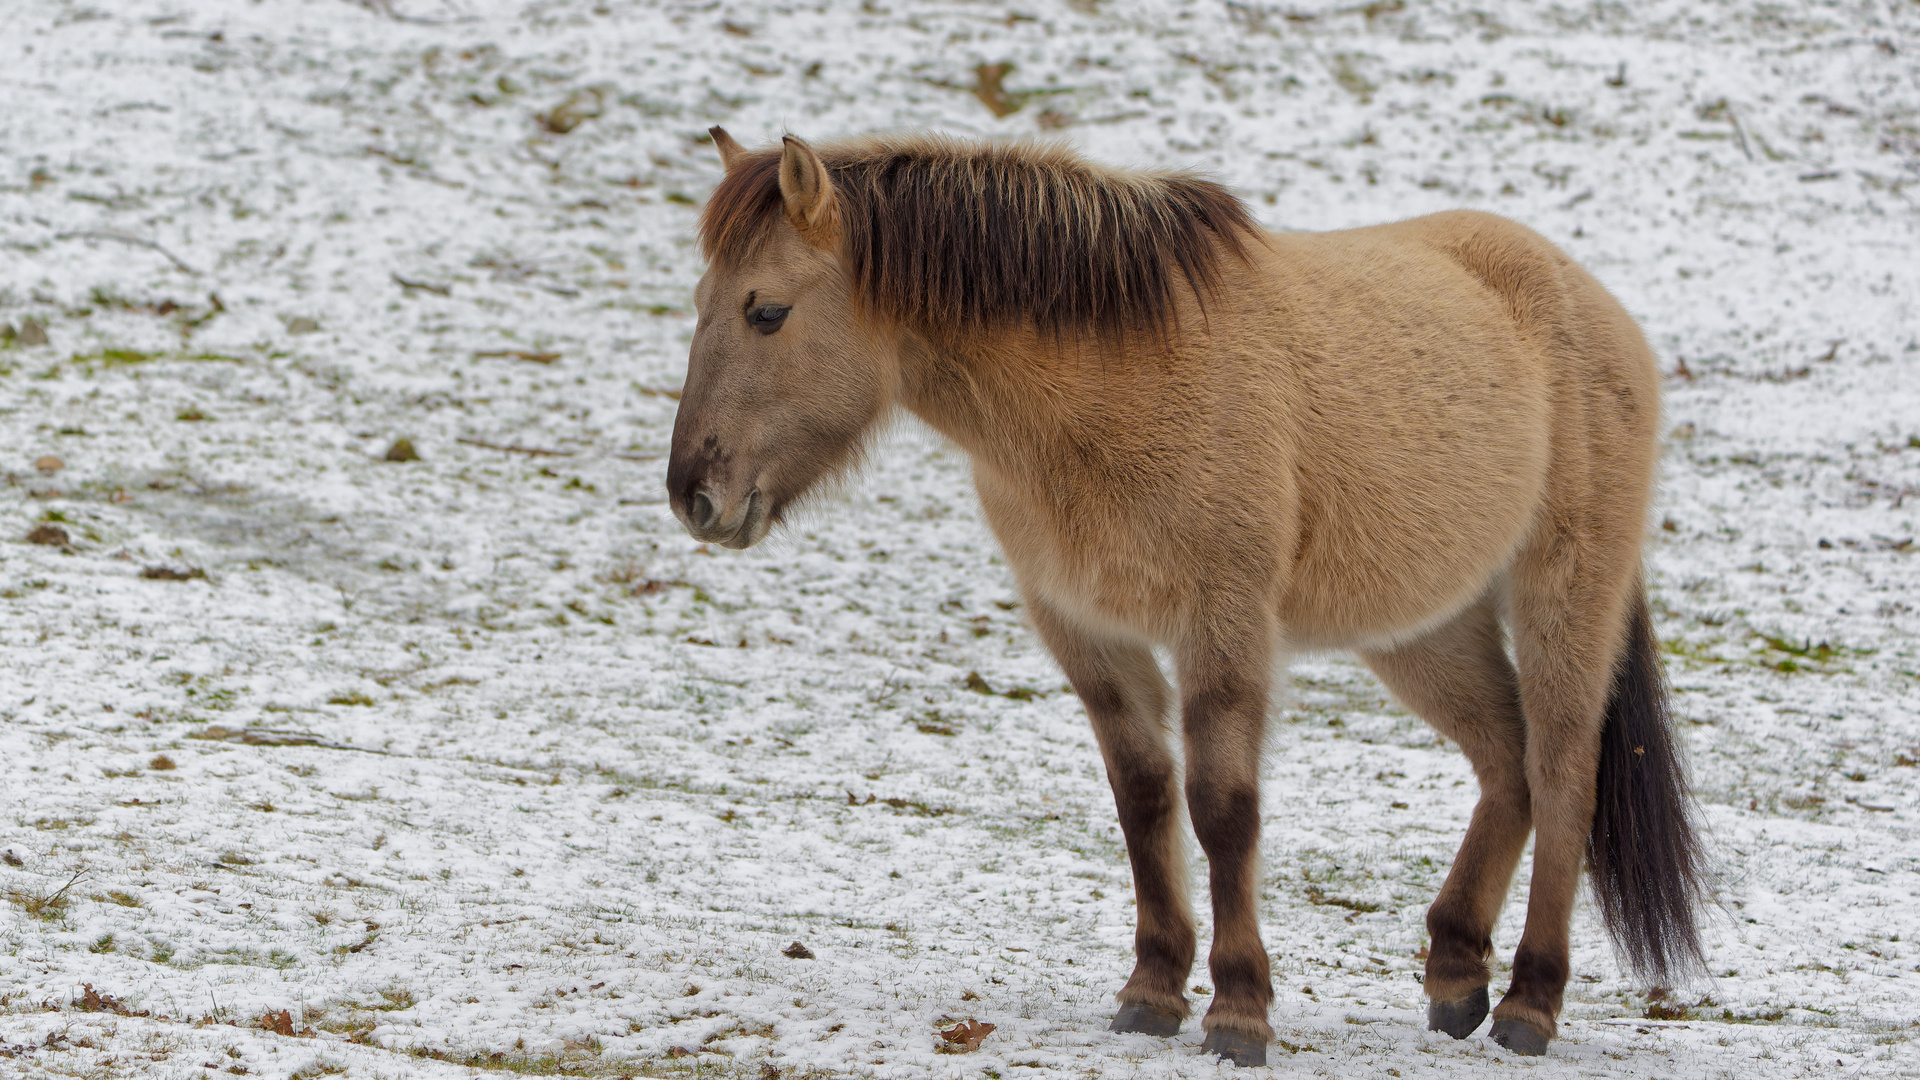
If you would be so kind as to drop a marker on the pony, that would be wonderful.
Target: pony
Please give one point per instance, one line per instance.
(1431, 443)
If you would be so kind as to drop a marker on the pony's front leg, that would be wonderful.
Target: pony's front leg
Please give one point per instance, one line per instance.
(1224, 686)
(1127, 699)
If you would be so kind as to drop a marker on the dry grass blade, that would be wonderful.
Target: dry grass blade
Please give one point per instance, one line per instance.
(266, 737)
(533, 451)
(46, 905)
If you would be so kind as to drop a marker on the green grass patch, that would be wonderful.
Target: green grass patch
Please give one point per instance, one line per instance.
(1321, 898)
(112, 358)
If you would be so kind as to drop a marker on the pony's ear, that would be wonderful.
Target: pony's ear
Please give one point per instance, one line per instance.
(808, 193)
(730, 151)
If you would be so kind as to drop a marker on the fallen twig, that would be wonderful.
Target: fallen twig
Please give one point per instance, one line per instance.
(267, 737)
(123, 238)
(530, 357)
(442, 290)
(535, 451)
(385, 7)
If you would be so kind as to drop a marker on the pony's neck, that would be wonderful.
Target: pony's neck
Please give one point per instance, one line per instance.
(1017, 403)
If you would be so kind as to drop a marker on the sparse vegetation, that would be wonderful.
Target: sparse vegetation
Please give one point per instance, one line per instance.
(337, 422)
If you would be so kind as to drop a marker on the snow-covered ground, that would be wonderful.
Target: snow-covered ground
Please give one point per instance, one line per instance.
(476, 762)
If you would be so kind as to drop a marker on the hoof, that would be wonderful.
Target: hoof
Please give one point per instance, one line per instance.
(1458, 1018)
(1146, 1020)
(1235, 1047)
(1520, 1037)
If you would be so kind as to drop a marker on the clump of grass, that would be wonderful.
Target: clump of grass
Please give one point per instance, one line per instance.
(1320, 897)
(44, 905)
(161, 763)
(398, 999)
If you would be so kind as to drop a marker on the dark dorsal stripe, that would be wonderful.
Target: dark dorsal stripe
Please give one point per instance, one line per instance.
(952, 237)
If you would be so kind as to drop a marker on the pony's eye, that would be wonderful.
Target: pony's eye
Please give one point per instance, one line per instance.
(767, 317)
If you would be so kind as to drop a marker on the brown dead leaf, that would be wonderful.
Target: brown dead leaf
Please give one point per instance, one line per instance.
(797, 951)
(989, 89)
(280, 1023)
(168, 573)
(580, 106)
(92, 1000)
(53, 535)
(49, 464)
(963, 1037)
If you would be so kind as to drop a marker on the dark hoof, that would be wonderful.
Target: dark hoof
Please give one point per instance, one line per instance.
(1520, 1037)
(1234, 1047)
(1458, 1018)
(1146, 1020)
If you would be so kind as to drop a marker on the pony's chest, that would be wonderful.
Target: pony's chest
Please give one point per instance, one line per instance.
(1109, 564)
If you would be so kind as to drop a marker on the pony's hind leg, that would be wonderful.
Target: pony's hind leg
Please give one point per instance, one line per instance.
(1127, 699)
(1568, 603)
(1224, 686)
(1458, 679)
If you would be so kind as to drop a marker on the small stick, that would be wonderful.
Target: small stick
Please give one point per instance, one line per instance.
(531, 357)
(1739, 133)
(443, 290)
(123, 238)
(532, 450)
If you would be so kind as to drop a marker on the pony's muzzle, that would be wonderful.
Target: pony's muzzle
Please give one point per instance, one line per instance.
(701, 513)
(741, 525)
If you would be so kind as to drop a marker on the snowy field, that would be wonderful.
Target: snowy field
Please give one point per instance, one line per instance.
(318, 763)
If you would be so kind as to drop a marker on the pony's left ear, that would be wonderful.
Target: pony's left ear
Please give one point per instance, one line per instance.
(808, 193)
(730, 151)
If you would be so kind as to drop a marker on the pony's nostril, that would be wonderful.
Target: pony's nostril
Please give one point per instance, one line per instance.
(701, 511)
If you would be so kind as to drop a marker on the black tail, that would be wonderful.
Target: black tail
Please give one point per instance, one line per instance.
(1649, 871)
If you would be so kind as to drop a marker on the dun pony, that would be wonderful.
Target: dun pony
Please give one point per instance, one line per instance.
(1430, 442)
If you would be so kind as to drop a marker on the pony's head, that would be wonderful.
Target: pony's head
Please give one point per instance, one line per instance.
(822, 273)
(784, 379)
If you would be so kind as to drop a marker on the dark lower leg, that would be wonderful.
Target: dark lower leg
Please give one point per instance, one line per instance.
(1540, 964)
(1127, 701)
(1460, 922)
(1226, 818)
(1224, 717)
(1164, 938)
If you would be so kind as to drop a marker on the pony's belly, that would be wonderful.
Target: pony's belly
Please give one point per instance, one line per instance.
(1407, 565)
(1404, 602)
